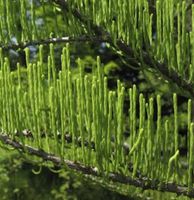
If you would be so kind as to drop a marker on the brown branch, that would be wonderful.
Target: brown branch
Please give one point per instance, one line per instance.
(142, 182)
(171, 75)
(90, 145)
(23, 45)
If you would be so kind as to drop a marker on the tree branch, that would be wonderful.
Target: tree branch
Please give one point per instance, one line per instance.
(142, 182)
(23, 45)
(171, 75)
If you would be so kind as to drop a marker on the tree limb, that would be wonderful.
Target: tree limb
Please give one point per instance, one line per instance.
(171, 75)
(142, 182)
(23, 45)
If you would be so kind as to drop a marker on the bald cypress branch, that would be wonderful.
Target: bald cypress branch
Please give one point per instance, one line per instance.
(172, 76)
(143, 182)
(22, 45)
(56, 100)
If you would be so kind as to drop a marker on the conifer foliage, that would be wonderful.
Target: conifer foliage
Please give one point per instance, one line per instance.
(76, 120)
